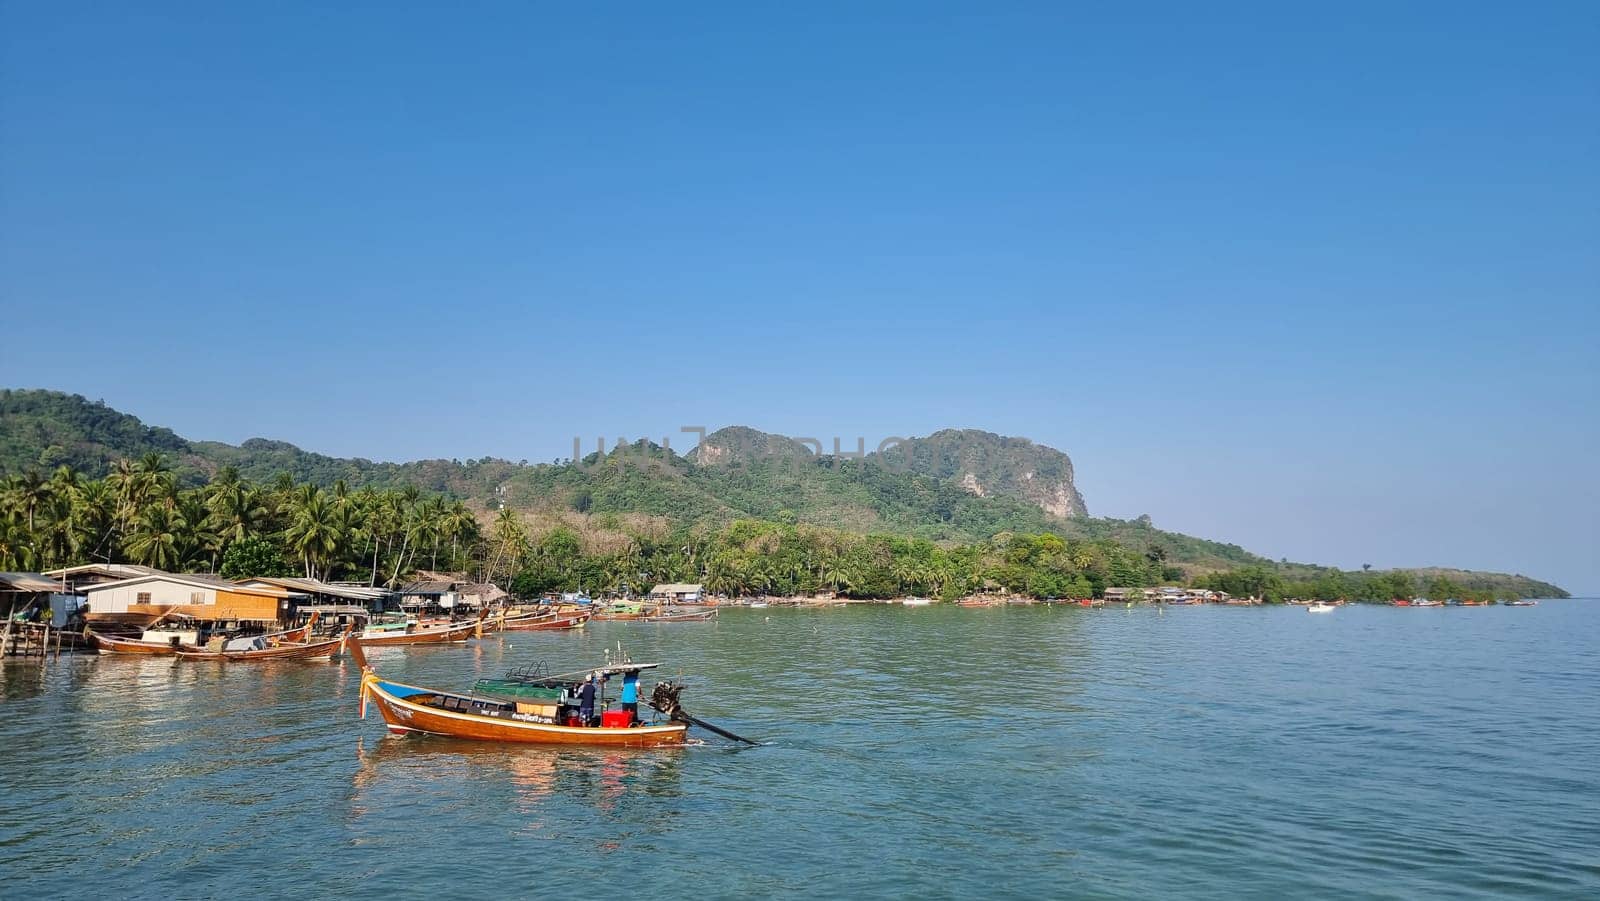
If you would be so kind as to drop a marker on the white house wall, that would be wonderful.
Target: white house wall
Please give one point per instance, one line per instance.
(118, 599)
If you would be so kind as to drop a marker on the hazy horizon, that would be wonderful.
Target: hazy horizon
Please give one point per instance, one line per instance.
(1320, 283)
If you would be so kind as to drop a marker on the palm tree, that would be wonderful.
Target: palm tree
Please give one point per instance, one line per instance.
(458, 523)
(837, 575)
(237, 511)
(157, 479)
(313, 532)
(29, 492)
(94, 521)
(154, 540)
(197, 540)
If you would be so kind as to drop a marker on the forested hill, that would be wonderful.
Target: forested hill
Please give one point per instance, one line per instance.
(952, 486)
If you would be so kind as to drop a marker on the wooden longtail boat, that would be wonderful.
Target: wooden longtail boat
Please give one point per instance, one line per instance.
(695, 616)
(619, 613)
(552, 623)
(166, 647)
(283, 650)
(408, 708)
(116, 644)
(421, 635)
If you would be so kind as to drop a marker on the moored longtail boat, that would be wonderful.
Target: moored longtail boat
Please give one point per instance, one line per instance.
(117, 644)
(552, 623)
(408, 708)
(157, 644)
(281, 650)
(421, 635)
(673, 616)
(619, 612)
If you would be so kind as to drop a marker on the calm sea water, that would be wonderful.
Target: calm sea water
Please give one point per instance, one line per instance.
(936, 752)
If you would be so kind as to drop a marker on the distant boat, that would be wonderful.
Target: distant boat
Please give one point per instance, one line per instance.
(409, 634)
(915, 602)
(552, 623)
(1424, 602)
(667, 616)
(1320, 607)
(758, 605)
(1522, 603)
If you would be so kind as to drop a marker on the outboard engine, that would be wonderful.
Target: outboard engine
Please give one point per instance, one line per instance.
(665, 699)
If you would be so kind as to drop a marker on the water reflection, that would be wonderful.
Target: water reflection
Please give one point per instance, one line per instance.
(535, 777)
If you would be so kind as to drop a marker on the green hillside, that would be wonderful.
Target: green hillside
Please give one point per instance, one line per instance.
(952, 487)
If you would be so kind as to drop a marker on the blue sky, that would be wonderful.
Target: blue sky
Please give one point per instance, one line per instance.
(1320, 282)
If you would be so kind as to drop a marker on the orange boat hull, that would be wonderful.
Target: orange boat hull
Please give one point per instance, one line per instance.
(461, 632)
(403, 716)
(553, 624)
(107, 644)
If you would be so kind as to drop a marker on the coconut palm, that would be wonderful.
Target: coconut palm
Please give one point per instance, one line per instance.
(155, 539)
(313, 531)
(237, 511)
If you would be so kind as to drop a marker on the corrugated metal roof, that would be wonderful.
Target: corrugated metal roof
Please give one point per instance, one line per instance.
(317, 586)
(27, 582)
(429, 588)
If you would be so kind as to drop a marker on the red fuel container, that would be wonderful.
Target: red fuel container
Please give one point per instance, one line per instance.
(615, 719)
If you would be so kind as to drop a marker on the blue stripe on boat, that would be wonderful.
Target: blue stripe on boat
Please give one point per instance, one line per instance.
(402, 691)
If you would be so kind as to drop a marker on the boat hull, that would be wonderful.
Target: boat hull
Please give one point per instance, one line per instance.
(699, 616)
(108, 644)
(404, 716)
(460, 632)
(555, 624)
(309, 651)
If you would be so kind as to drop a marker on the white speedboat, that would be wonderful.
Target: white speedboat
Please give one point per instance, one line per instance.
(1320, 608)
(916, 602)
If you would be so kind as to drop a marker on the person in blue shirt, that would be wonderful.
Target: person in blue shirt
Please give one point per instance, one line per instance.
(630, 696)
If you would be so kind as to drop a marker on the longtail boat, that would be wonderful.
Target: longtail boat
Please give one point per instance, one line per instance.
(619, 612)
(421, 634)
(118, 644)
(693, 616)
(159, 643)
(276, 649)
(515, 714)
(552, 623)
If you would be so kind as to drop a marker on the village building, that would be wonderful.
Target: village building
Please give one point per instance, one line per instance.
(200, 597)
(75, 579)
(428, 594)
(32, 592)
(451, 589)
(327, 598)
(678, 593)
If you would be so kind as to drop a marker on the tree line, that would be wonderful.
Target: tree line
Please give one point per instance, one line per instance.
(139, 513)
(1336, 585)
(759, 557)
(230, 526)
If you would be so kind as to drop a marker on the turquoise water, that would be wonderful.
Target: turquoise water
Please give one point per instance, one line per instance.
(938, 752)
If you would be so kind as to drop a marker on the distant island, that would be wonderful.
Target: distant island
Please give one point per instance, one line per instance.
(956, 513)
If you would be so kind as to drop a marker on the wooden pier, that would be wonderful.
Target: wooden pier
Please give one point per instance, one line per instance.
(34, 640)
